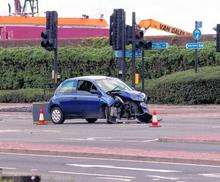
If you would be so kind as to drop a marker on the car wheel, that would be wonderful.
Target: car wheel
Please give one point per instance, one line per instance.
(57, 115)
(91, 120)
(145, 118)
(109, 119)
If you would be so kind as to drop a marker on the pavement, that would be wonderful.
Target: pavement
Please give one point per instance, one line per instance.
(15, 107)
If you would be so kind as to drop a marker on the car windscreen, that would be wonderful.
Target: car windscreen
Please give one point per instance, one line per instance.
(112, 84)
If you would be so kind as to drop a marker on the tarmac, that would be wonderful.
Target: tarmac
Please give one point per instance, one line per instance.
(127, 153)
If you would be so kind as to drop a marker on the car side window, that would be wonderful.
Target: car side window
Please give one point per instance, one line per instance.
(67, 87)
(84, 86)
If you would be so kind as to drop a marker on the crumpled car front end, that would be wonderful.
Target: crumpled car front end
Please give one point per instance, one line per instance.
(131, 104)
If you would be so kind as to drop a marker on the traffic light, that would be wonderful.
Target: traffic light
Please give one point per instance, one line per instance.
(117, 28)
(140, 42)
(139, 34)
(218, 38)
(147, 45)
(112, 30)
(128, 39)
(45, 43)
(143, 44)
(49, 37)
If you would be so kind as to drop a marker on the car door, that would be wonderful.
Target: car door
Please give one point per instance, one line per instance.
(88, 102)
(68, 98)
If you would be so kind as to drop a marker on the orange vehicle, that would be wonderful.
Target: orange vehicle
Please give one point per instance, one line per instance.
(150, 23)
(22, 24)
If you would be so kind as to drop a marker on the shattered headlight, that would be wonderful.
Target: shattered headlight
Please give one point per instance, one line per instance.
(143, 104)
(138, 97)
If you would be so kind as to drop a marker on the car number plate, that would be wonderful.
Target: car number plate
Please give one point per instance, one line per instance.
(113, 111)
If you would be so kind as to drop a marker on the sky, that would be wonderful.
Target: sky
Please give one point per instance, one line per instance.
(178, 13)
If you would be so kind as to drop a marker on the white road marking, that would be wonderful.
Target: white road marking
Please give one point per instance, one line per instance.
(109, 139)
(110, 159)
(34, 131)
(77, 139)
(153, 140)
(9, 131)
(7, 168)
(50, 131)
(125, 168)
(91, 174)
(90, 139)
(215, 126)
(211, 175)
(163, 177)
(34, 169)
(114, 179)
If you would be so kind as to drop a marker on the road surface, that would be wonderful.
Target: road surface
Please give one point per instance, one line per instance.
(185, 148)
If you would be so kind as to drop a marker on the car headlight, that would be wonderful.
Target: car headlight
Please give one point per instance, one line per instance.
(143, 104)
(138, 97)
(143, 95)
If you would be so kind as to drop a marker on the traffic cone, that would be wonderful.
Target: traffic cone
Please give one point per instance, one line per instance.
(155, 122)
(41, 118)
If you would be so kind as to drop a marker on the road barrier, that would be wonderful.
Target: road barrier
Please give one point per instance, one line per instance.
(155, 121)
(37, 107)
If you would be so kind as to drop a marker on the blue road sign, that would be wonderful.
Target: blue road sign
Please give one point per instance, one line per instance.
(160, 45)
(128, 53)
(197, 34)
(195, 45)
(198, 24)
(119, 54)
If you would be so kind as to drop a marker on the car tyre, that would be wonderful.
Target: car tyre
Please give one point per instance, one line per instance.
(91, 120)
(109, 119)
(145, 118)
(57, 116)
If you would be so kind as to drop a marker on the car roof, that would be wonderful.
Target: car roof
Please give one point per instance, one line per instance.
(90, 78)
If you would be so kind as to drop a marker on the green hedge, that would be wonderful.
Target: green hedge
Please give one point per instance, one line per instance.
(24, 95)
(184, 87)
(31, 67)
(187, 87)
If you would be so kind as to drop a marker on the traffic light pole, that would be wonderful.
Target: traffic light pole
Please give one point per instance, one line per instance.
(142, 70)
(55, 66)
(49, 41)
(218, 38)
(121, 61)
(133, 67)
(123, 50)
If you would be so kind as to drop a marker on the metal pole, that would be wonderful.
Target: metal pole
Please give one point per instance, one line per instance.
(123, 48)
(142, 70)
(55, 64)
(120, 71)
(133, 68)
(197, 59)
(196, 54)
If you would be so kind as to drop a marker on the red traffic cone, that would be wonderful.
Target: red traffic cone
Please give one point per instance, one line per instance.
(155, 121)
(41, 118)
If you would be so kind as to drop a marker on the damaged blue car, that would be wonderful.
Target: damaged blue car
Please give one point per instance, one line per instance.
(98, 97)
